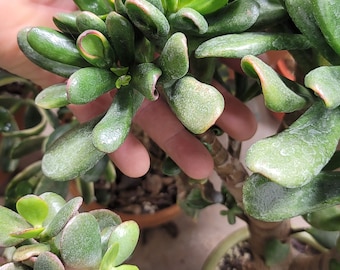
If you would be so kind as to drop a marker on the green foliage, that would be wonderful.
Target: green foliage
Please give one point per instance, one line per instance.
(66, 238)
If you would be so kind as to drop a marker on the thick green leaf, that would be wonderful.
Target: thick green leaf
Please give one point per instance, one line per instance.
(54, 96)
(144, 79)
(11, 222)
(28, 233)
(106, 218)
(188, 20)
(112, 130)
(80, 243)
(109, 257)
(55, 202)
(64, 70)
(55, 46)
(293, 157)
(280, 94)
(62, 160)
(87, 20)
(95, 49)
(89, 83)
(236, 17)
(327, 219)
(327, 239)
(301, 12)
(48, 260)
(325, 81)
(66, 22)
(327, 15)
(14, 266)
(188, 99)
(122, 37)
(268, 201)
(240, 45)
(174, 58)
(148, 19)
(99, 7)
(60, 219)
(25, 252)
(202, 6)
(28, 146)
(33, 208)
(126, 236)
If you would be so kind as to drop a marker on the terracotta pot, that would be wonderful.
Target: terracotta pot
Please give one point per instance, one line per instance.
(144, 220)
(221, 249)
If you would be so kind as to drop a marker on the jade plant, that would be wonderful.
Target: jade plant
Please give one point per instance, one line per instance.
(174, 49)
(46, 232)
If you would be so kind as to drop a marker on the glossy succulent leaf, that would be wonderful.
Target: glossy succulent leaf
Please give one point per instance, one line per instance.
(268, 201)
(327, 239)
(327, 219)
(202, 6)
(148, 19)
(295, 156)
(240, 45)
(27, 251)
(106, 218)
(66, 22)
(98, 7)
(169, 167)
(48, 260)
(301, 12)
(188, 20)
(272, 12)
(89, 83)
(15, 189)
(54, 96)
(55, 46)
(170, 6)
(33, 208)
(126, 236)
(109, 257)
(36, 128)
(112, 130)
(80, 243)
(65, 213)
(238, 16)
(187, 98)
(56, 67)
(61, 160)
(122, 37)
(324, 81)
(280, 95)
(28, 233)
(174, 58)
(27, 146)
(327, 15)
(144, 79)
(87, 20)
(95, 49)
(55, 202)
(14, 222)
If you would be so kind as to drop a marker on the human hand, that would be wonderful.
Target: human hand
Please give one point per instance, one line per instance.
(156, 118)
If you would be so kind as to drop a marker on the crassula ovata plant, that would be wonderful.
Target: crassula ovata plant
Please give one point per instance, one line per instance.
(147, 49)
(47, 232)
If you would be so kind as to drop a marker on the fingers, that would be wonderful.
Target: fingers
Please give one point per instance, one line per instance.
(158, 121)
(237, 120)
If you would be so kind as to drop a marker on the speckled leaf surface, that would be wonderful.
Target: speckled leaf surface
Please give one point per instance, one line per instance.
(293, 157)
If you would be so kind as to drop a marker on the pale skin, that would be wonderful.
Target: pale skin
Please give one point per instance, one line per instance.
(155, 118)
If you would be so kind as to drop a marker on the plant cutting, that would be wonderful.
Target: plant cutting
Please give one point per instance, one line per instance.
(47, 232)
(172, 50)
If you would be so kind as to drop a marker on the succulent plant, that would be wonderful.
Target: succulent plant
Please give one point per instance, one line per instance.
(46, 232)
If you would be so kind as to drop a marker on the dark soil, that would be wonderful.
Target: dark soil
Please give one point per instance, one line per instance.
(236, 257)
